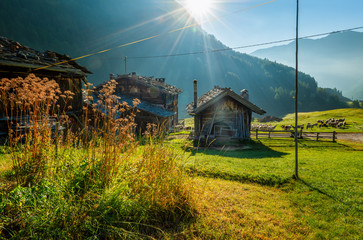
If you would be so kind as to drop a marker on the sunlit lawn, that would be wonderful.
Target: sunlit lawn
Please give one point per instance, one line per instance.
(5, 163)
(352, 117)
(234, 210)
(326, 202)
(250, 193)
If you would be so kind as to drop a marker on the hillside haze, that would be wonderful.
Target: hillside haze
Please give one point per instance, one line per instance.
(335, 60)
(80, 27)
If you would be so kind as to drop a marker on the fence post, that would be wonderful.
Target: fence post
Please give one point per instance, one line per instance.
(301, 135)
(256, 133)
(317, 136)
(334, 136)
(269, 134)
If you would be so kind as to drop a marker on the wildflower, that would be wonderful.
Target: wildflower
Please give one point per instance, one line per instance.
(136, 102)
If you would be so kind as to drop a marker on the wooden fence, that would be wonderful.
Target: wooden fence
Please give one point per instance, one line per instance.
(291, 134)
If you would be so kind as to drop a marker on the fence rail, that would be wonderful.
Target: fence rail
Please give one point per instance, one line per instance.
(291, 134)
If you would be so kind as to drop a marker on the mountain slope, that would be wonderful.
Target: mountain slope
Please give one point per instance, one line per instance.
(335, 61)
(80, 27)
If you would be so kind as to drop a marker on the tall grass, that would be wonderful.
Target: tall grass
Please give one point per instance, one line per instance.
(112, 127)
(95, 182)
(29, 105)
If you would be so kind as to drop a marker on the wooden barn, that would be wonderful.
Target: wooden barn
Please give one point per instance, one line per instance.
(158, 100)
(17, 60)
(221, 114)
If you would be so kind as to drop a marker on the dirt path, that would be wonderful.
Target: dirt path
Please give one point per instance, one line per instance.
(350, 136)
(358, 137)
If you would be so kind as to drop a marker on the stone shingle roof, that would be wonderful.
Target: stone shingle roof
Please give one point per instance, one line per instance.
(205, 98)
(152, 82)
(14, 54)
(216, 94)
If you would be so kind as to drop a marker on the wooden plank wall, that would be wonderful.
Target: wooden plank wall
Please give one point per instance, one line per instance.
(226, 112)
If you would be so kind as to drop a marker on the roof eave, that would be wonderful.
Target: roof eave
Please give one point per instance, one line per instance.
(36, 66)
(233, 95)
(212, 101)
(246, 103)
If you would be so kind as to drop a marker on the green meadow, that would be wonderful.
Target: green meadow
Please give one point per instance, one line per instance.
(227, 194)
(352, 116)
(105, 184)
(256, 183)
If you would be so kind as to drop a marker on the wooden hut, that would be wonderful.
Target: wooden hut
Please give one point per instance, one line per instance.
(158, 100)
(221, 114)
(17, 60)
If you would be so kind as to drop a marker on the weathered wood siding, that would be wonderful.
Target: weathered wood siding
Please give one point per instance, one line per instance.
(152, 94)
(225, 118)
(131, 87)
(65, 81)
(143, 118)
(74, 85)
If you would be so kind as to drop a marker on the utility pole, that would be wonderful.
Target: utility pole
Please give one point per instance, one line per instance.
(125, 65)
(296, 175)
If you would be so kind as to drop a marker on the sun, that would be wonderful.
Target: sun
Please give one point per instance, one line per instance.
(199, 9)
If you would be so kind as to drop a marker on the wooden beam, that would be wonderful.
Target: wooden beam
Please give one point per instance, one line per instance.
(212, 122)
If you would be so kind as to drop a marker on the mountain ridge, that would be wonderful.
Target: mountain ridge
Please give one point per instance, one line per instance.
(82, 27)
(335, 60)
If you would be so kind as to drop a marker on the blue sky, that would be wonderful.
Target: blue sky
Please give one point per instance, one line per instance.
(276, 20)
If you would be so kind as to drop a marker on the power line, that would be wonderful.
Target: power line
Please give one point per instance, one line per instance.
(246, 46)
(147, 38)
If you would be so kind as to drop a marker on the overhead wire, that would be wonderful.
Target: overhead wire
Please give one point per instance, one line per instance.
(145, 39)
(246, 46)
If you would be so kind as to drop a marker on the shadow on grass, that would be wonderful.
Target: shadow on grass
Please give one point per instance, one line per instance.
(248, 149)
(307, 143)
(262, 179)
(313, 188)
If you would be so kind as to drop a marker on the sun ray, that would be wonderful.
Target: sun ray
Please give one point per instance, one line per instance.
(199, 9)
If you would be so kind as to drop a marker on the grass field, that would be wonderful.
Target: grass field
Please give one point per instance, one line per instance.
(246, 193)
(353, 117)
(251, 192)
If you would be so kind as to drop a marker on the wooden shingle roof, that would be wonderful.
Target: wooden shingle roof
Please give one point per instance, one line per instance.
(14, 54)
(215, 95)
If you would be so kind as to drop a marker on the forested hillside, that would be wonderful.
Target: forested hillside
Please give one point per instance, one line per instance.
(80, 27)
